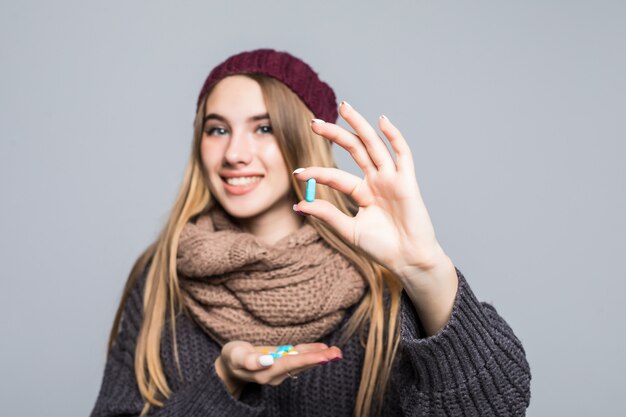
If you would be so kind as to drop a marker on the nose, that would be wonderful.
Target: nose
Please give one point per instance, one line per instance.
(240, 150)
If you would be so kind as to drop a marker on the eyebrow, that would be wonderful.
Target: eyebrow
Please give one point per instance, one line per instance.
(215, 116)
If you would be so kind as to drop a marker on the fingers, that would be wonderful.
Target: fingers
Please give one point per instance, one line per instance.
(375, 146)
(346, 140)
(241, 360)
(262, 359)
(310, 347)
(326, 211)
(335, 178)
(404, 158)
(268, 357)
(305, 359)
(366, 146)
(242, 355)
(335, 218)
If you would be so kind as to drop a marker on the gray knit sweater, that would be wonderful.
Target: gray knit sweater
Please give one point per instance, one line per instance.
(475, 366)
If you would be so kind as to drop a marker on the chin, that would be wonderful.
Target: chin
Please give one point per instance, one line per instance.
(243, 211)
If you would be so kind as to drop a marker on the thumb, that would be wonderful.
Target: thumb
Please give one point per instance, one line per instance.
(331, 215)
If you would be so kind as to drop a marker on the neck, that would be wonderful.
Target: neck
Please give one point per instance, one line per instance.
(273, 225)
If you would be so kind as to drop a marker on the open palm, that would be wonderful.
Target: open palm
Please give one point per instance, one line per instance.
(392, 224)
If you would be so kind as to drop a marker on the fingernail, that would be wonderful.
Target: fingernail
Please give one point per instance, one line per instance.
(382, 116)
(298, 212)
(338, 358)
(345, 103)
(319, 121)
(323, 362)
(266, 360)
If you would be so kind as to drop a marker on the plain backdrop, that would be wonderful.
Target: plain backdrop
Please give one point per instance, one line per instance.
(515, 112)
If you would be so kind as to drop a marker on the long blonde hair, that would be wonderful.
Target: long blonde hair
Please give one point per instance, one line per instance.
(290, 120)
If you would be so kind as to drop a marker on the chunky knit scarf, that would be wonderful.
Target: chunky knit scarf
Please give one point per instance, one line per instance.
(238, 288)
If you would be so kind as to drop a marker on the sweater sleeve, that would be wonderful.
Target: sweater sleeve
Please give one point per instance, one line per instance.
(204, 395)
(475, 365)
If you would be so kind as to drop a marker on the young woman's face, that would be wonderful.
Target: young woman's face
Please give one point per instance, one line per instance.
(246, 170)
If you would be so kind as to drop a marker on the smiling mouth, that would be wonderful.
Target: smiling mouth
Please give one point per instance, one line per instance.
(242, 181)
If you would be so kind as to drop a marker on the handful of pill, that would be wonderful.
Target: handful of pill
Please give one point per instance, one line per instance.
(268, 356)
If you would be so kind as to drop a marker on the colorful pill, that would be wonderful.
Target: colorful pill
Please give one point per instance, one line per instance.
(279, 353)
(266, 360)
(310, 190)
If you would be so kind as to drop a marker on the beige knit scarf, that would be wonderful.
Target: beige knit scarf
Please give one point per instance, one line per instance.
(238, 288)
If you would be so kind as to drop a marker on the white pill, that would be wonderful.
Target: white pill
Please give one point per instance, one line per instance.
(266, 360)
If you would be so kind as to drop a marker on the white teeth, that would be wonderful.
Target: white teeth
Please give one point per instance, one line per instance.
(242, 180)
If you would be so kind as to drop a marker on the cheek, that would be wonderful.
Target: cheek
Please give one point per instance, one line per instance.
(211, 159)
(275, 163)
(209, 154)
(274, 158)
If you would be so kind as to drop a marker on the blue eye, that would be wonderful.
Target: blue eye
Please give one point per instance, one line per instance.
(264, 129)
(216, 131)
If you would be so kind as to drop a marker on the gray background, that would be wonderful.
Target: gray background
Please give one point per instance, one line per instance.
(514, 111)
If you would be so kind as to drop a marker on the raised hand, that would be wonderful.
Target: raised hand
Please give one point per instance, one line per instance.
(240, 363)
(392, 224)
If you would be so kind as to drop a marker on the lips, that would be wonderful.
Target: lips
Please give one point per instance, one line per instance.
(240, 184)
(242, 180)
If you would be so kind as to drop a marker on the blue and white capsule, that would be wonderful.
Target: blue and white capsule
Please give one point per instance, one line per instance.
(310, 190)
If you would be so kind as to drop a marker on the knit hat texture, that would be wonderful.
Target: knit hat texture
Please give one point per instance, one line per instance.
(318, 96)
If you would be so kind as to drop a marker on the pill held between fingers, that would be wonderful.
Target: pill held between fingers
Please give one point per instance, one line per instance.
(310, 190)
(266, 360)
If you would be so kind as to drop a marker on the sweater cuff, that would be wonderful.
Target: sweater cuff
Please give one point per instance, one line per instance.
(210, 397)
(458, 352)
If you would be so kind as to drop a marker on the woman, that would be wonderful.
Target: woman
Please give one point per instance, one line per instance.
(382, 321)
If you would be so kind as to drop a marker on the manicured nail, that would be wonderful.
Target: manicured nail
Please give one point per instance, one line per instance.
(338, 358)
(323, 362)
(297, 170)
(266, 360)
(298, 212)
(318, 121)
(345, 103)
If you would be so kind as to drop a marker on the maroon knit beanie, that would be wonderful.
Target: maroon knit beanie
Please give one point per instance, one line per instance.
(291, 71)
